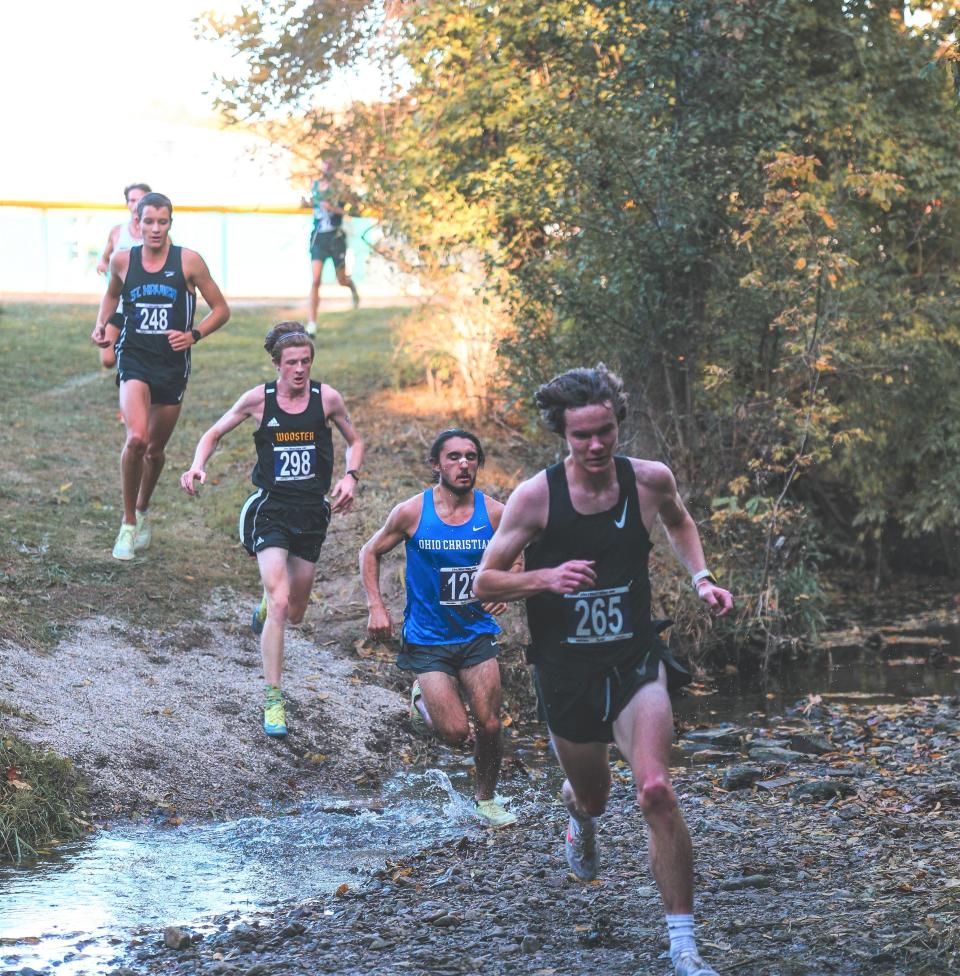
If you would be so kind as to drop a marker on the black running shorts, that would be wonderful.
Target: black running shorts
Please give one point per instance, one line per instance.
(269, 522)
(448, 658)
(167, 383)
(330, 244)
(582, 708)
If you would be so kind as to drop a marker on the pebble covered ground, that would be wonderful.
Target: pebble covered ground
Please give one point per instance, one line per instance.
(826, 843)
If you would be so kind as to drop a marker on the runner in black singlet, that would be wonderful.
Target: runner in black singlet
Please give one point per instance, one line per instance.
(284, 522)
(602, 673)
(158, 282)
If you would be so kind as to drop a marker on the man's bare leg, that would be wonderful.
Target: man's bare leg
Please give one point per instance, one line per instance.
(163, 420)
(585, 794)
(135, 407)
(344, 279)
(313, 301)
(448, 717)
(482, 686)
(276, 583)
(643, 732)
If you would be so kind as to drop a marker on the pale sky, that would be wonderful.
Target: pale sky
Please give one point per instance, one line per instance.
(101, 93)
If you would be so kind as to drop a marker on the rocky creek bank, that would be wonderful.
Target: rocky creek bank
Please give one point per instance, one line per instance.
(827, 841)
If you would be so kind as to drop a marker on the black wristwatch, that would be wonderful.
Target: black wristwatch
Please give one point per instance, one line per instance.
(197, 335)
(355, 473)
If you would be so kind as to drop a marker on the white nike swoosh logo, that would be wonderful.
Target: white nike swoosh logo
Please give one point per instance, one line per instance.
(620, 522)
(478, 528)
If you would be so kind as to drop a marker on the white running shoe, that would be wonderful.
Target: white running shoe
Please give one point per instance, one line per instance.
(123, 548)
(311, 328)
(688, 963)
(582, 849)
(141, 538)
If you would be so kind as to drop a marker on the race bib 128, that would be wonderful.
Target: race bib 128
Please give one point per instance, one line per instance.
(456, 585)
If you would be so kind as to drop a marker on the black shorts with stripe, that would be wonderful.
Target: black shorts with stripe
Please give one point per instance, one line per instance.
(267, 521)
(167, 382)
(583, 707)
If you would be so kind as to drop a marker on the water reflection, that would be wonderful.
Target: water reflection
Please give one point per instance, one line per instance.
(142, 876)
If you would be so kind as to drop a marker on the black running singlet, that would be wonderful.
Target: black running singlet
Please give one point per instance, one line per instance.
(155, 303)
(294, 450)
(600, 628)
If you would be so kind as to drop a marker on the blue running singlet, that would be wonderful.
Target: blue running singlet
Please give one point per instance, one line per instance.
(442, 561)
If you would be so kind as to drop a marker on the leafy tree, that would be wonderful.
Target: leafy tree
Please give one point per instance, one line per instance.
(749, 208)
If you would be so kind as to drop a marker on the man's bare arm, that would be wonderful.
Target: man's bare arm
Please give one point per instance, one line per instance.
(399, 526)
(249, 405)
(336, 411)
(111, 299)
(198, 276)
(684, 538)
(524, 518)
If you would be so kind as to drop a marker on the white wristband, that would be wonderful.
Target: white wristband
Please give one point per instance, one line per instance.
(702, 575)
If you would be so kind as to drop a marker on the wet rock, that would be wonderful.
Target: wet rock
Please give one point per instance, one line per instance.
(447, 921)
(775, 754)
(821, 789)
(729, 736)
(741, 777)
(704, 756)
(749, 881)
(529, 944)
(175, 937)
(811, 743)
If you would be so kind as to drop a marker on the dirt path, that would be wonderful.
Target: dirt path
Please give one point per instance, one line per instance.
(168, 722)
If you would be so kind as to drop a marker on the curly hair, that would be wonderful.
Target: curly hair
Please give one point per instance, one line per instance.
(581, 387)
(286, 335)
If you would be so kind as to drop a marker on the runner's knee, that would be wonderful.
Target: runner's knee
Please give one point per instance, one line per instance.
(277, 605)
(455, 733)
(655, 795)
(136, 442)
(489, 726)
(296, 612)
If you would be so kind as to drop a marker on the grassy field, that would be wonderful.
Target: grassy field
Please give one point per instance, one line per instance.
(59, 470)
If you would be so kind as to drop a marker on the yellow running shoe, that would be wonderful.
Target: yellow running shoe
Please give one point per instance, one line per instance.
(274, 715)
(259, 615)
(141, 538)
(123, 548)
(494, 815)
(417, 721)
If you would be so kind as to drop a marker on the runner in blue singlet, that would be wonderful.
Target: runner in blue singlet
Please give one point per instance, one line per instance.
(449, 636)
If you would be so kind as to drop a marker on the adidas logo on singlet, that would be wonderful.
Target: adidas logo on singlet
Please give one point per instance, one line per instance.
(273, 422)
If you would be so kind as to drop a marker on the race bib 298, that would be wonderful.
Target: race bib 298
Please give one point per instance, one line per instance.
(294, 463)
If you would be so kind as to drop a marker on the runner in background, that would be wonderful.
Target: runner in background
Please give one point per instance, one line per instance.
(158, 282)
(121, 238)
(327, 241)
(284, 522)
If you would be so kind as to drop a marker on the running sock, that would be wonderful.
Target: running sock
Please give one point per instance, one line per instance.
(578, 826)
(680, 929)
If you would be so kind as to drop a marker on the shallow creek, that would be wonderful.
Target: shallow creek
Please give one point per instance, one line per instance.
(76, 911)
